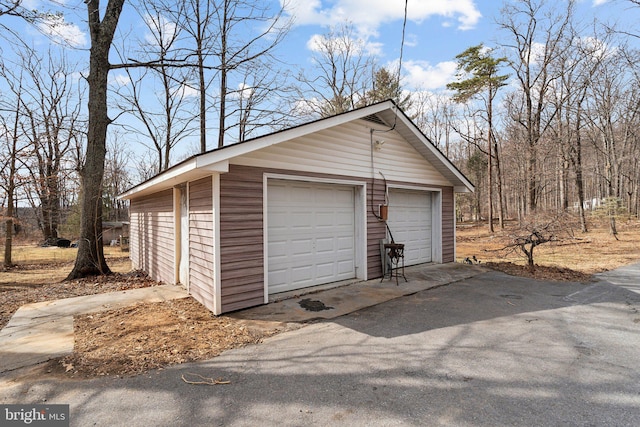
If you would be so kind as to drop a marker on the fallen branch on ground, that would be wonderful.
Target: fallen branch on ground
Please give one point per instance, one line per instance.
(204, 380)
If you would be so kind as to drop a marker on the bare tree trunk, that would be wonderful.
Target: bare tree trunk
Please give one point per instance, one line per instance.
(90, 259)
(203, 99)
(8, 236)
(11, 188)
(202, 84)
(501, 208)
(532, 172)
(223, 75)
(576, 161)
(490, 179)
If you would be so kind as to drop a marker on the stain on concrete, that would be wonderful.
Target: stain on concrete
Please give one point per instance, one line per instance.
(313, 305)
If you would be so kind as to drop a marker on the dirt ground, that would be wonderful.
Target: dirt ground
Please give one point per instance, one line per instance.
(587, 253)
(130, 340)
(135, 339)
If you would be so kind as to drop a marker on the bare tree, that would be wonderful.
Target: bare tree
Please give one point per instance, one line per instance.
(229, 37)
(18, 9)
(341, 73)
(434, 115)
(116, 178)
(576, 65)
(146, 167)
(197, 21)
(613, 116)
(257, 102)
(535, 39)
(167, 115)
(536, 233)
(90, 258)
(248, 31)
(10, 134)
(50, 104)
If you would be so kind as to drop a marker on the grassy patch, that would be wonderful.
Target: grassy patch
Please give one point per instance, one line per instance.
(36, 265)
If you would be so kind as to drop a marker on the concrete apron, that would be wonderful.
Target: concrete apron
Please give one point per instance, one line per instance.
(311, 304)
(42, 331)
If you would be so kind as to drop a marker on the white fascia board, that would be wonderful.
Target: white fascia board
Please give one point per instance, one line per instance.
(220, 167)
(190, 170)
(461, 189)
(170, 175)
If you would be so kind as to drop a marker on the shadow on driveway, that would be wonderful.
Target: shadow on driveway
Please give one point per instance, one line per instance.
(487, 296)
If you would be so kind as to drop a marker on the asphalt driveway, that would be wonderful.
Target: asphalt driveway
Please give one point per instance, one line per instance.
(492, 350)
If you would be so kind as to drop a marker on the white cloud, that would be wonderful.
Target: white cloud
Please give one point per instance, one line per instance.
(411, 40)
(368, 15)
(599, 2)
(119, 80)
(597, 49)
(62, 32)
(421, 74)
(160, 30)
(319, 42)
(189, 91)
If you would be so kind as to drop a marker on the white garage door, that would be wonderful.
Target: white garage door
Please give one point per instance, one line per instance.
(410, 223)
(311, 234)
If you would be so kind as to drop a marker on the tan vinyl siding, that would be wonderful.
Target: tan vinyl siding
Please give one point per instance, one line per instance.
(152, 235)
(201, 265)
(241, 238)
(448, 226)
(241, 231)
(316, 153)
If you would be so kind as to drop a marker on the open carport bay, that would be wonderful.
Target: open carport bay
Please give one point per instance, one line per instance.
(492, 350)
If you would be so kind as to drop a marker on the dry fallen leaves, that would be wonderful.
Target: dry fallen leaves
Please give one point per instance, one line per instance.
(135, 339)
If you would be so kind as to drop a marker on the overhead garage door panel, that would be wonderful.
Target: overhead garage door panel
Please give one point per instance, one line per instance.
(311, 234)
(410, 223)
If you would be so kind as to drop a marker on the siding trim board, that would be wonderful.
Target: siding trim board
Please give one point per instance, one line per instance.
(217, 281)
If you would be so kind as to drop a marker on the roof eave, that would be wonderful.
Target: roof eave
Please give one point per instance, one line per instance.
(217, 160)
(189, 170)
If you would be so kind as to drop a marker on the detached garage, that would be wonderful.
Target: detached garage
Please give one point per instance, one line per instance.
(296, 209)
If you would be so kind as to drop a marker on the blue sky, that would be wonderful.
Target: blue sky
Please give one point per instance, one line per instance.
(436, 31)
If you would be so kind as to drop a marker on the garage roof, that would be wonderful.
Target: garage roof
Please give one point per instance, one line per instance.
(217, 160)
